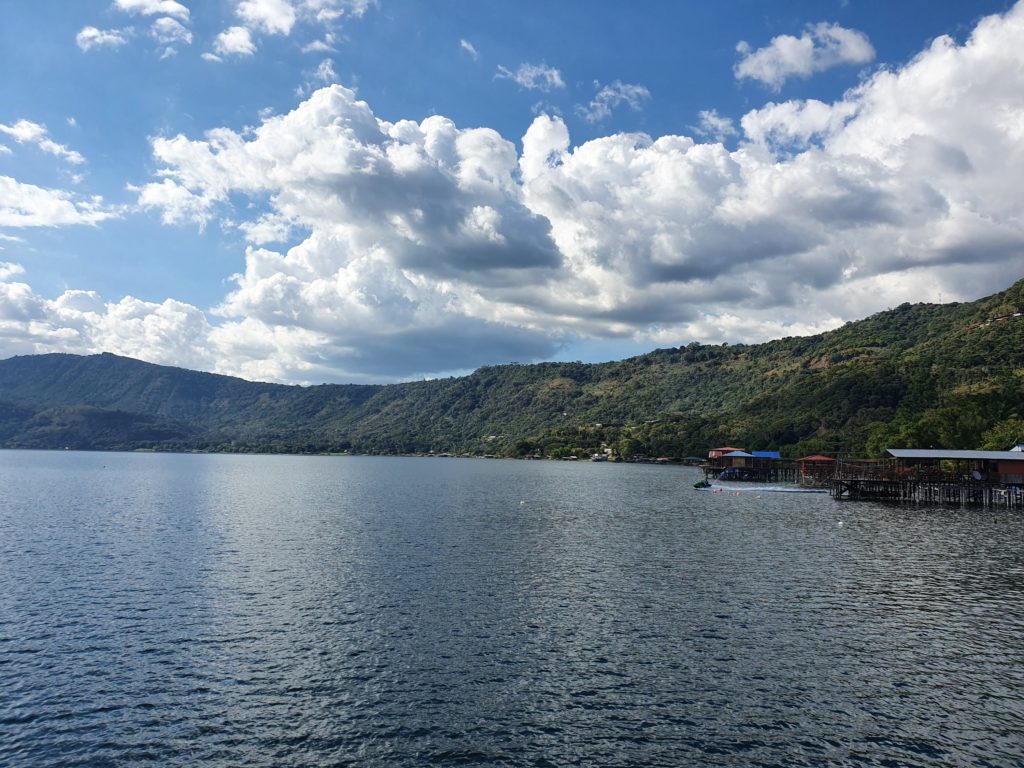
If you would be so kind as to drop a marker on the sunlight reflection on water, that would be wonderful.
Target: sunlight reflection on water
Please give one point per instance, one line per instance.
(175, 609)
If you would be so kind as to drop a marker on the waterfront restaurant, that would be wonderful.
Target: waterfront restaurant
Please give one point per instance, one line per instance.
(737, 459)
(717, 453)
(1005, 467)
(716, 460)
(752, 459)
(816, 468)
(757, 466)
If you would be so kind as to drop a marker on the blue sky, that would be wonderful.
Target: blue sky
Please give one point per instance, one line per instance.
(348, 190)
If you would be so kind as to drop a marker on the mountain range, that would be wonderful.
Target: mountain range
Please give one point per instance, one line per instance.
(919, 375)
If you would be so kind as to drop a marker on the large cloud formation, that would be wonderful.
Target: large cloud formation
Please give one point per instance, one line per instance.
(820, 47)
(384, 250)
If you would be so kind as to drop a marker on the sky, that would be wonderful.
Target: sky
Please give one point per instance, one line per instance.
(311, 191)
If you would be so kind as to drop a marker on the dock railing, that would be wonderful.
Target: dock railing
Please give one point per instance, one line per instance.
(887, 480)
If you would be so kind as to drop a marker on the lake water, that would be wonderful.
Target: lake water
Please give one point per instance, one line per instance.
(279, 611)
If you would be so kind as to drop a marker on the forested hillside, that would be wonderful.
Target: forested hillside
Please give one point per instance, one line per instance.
(916, 376)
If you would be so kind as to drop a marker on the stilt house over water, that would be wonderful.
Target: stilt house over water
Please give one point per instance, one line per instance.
(1002, 467)
(729, 463)
(986, 478)
(816, 470)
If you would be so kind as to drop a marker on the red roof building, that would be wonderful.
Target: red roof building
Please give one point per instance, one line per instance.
(717, 453)
(816, 469)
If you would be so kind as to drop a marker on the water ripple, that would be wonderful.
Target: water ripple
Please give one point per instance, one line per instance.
(278, 611)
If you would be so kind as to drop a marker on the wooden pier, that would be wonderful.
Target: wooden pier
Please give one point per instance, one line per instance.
(964, 493)
(907, 475)
(762, 472)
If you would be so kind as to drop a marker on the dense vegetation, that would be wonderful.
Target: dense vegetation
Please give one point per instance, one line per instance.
(919, 375)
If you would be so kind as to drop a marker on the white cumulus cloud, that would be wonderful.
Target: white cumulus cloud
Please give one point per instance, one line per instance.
(27, 132)
(326, 11)
(820, 47)
(610, 97)
(715, 126)
(396, 216)
(154, 7)
(234, 41)
(91, 37)
(169, 332)
(533, 77)
(8, 269)
(28, 205)
(381, 250)
(169, 31)
(796, 124)
(824, 212)
(275, 17)
(324, 74)
(324, 45)
(283, 17)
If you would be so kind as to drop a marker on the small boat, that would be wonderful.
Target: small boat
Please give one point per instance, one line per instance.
(705, 486)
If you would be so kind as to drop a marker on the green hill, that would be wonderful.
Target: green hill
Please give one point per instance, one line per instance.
(916, 376)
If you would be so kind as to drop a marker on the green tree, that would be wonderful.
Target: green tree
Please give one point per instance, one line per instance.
(1003, 435)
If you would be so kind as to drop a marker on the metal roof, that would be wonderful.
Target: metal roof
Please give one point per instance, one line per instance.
(817, 457)
(740, 454)
(921, 453)
(765, 454)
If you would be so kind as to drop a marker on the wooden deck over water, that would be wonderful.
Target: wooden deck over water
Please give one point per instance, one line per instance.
(882, 483)
(775, 471)
(882, 480)
(982, 494)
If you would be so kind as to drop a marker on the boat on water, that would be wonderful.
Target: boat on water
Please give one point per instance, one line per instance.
(757, 489)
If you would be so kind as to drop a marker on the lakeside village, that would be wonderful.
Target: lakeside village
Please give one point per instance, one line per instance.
(932, 476)
(935, 476)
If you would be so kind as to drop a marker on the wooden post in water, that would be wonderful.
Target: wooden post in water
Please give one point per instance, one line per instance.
(961, 493)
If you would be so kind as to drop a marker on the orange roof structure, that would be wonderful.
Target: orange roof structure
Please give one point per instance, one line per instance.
(715, 452)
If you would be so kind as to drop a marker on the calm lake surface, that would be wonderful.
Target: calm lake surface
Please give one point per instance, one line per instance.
(279, 611)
